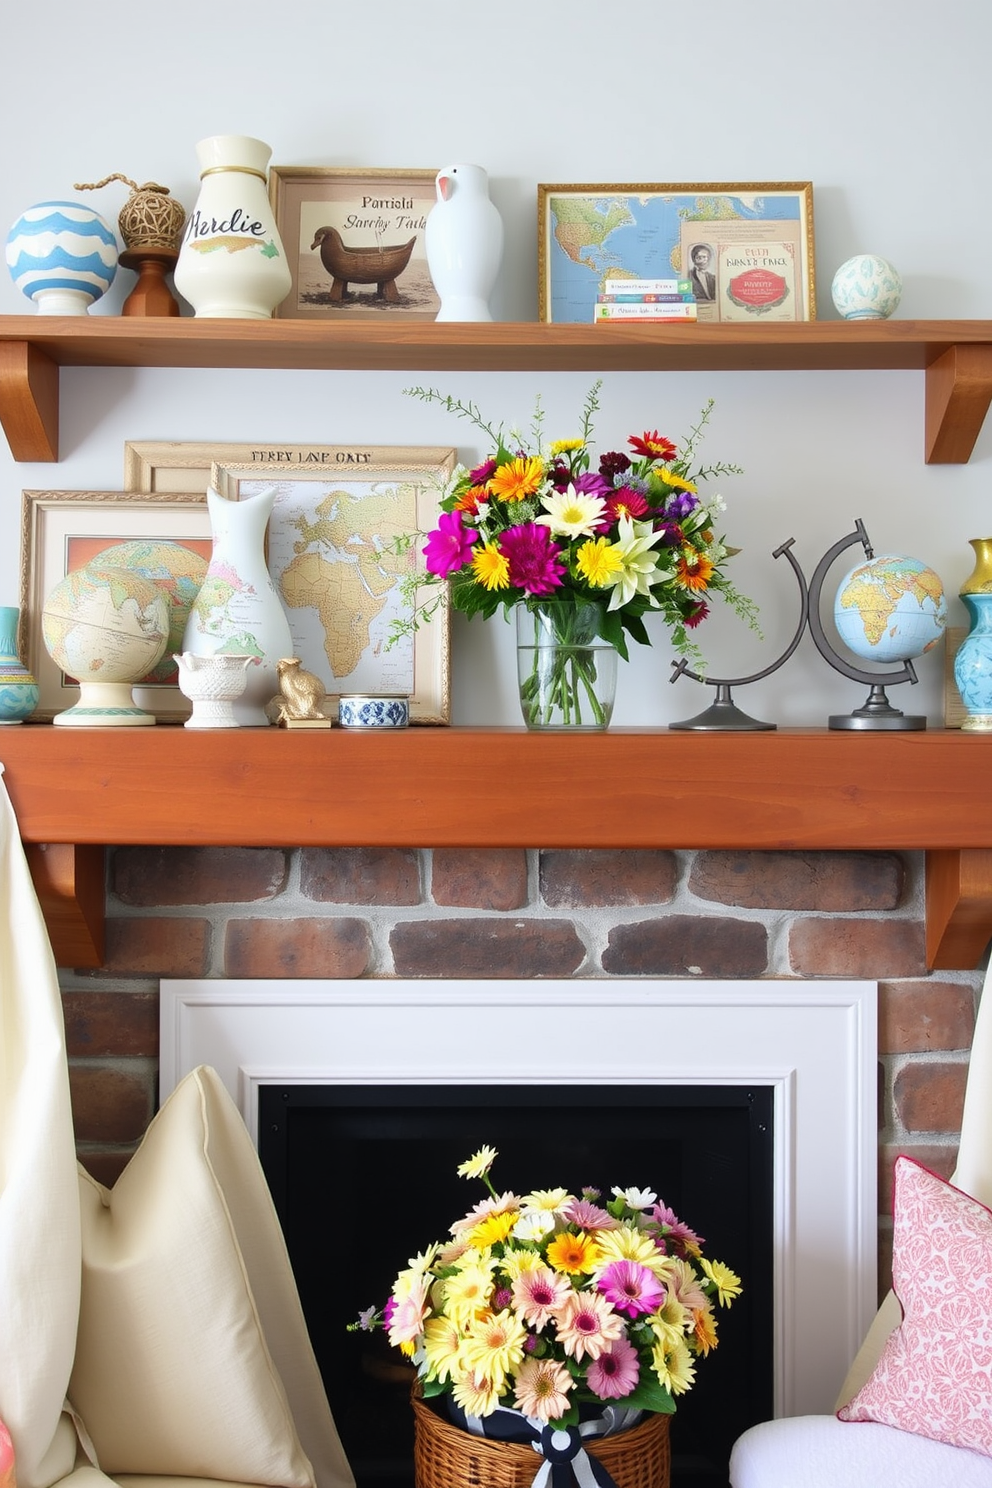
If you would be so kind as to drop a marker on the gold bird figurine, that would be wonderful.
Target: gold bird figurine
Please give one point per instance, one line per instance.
(302, 693)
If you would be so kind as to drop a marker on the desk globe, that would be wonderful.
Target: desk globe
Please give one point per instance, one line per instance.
(106, 628)
(891, 608)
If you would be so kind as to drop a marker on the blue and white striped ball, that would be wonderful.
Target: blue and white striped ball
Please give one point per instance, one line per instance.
(62, 245)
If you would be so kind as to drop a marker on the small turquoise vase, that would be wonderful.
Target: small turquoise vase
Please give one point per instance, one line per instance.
(18, 689)
(973, 662)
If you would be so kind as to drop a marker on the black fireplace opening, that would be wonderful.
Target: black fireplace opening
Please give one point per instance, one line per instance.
(364, 1177)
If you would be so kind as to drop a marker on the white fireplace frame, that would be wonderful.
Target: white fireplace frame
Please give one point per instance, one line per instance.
(813, 1042)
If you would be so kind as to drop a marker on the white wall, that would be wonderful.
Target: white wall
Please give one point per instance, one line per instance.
(882, 104)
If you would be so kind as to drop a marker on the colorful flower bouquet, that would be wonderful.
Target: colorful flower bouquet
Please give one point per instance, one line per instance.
(599, 546)
(552, 1302)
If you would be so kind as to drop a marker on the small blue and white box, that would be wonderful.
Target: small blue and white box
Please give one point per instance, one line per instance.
(378, 711)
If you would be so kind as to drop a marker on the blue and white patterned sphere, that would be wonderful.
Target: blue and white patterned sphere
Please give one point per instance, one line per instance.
(62, 255)
(866, 288)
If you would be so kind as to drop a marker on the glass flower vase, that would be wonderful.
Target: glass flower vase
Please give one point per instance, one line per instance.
(566, 670)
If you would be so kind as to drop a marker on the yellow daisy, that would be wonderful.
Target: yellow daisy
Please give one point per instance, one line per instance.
(475, 1395)
(566, 446)
(676, 482)
(728, 1286)
(491, 1230)
(517, 479)
(467, 1293)
(442, 1341)
(598, 561)
(493, 1347)
(673, 1366)
(625, 1244)
(490, 568)
(573, 1253)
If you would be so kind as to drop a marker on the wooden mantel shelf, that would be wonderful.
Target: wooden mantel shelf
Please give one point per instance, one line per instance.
(956, 357)
(76, 789)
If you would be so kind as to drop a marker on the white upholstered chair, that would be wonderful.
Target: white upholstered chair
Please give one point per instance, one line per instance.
(150, 1335)
(826, 1452)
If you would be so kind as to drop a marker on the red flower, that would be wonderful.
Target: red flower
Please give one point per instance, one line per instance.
(653, 445)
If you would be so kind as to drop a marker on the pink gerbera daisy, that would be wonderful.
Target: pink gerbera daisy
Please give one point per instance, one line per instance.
(537, 1293)
(631, 1288)
(587, 1324)
(589, 1216)
(542, 1387)
(615, 1373)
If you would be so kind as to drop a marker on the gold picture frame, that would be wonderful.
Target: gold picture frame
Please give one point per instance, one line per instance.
(62, 530)
(354, 241)
(758, 237)
(332, 558)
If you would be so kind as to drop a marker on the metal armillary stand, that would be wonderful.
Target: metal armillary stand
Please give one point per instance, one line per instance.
(724, 713)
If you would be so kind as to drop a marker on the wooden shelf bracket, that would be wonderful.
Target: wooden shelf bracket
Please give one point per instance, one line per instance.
(958, 393)
(29, 401)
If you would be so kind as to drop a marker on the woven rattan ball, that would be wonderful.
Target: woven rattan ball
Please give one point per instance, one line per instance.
(150, 218)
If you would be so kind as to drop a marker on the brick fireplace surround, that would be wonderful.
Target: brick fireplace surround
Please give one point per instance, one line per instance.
(509, 912)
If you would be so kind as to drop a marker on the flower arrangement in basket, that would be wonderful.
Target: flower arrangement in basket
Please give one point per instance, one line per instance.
(595, 545)
(551, 1317)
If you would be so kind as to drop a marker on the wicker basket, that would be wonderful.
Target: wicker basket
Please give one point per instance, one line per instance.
(446, 1457)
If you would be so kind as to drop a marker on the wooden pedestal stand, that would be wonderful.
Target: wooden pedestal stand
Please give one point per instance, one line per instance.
(151, 296)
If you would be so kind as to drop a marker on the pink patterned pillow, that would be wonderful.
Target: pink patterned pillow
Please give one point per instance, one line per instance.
(7, 1479)
(935, 1374)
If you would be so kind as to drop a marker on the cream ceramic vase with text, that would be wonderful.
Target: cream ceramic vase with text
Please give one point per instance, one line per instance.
(464, 243)
(238, 611)
(232, 262)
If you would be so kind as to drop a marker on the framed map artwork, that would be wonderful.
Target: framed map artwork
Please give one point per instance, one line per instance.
(333, 557)
(167, 537)
(746, 251)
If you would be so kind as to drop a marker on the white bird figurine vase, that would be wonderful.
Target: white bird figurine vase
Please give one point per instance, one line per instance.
(464, 243)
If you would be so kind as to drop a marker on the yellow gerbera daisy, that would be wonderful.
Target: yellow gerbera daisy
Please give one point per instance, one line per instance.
(490, 567)
(442, 1341)
(728, 1286)
(493, 1347)
(573, 1253)
(565, 446)
(597, 562)
(676, 482)
(491, 1230)
(625, 1244)
(517, 479)
(478, 1165)
(703, 1335)
(475, 1395)
(673, 1366)
(467, 1293)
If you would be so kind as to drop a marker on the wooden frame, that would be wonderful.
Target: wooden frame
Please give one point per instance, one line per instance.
(62, 530)
(332, 565)
(758, 236)
(184, 465)
(376, 266)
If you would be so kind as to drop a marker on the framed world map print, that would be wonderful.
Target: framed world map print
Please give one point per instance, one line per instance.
(744, 252)
(333, 557)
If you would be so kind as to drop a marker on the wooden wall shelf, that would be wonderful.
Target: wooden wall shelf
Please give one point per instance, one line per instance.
(956, 357)
(76, 789)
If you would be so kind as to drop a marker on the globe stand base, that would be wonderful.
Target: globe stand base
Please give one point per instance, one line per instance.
(104, 705)
(723, 714)
(877, 713)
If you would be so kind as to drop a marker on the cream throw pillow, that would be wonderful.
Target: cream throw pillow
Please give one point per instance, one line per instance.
(39, 1202)
(189, 1313)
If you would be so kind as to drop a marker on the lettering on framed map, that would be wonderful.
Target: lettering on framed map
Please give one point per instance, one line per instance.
(746, 250)
(332, 556)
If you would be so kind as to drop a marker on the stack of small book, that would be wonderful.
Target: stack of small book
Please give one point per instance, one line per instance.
(645, 301)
